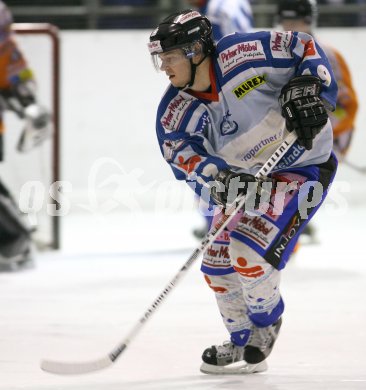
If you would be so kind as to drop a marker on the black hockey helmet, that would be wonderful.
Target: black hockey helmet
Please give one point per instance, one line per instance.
(188, 30)
(181, 30)
(297, 9)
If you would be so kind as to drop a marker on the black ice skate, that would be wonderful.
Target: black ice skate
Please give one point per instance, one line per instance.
(261, 343)
(228, 359)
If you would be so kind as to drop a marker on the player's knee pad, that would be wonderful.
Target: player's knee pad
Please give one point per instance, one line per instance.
(251, 266)
(229, 295)
(232, 306)
(223, 284)
(260, 282)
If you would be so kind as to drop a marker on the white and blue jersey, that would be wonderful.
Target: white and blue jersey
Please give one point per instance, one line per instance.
(228, 16)
(238, 124)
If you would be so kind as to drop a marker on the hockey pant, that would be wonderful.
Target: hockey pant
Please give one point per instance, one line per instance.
(15, 237)
(243, 265)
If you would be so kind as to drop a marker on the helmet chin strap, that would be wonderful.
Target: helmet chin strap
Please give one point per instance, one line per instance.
(193, 73)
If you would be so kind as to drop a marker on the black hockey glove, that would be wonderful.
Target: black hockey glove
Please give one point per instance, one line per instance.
(303, 109)
(229, 185)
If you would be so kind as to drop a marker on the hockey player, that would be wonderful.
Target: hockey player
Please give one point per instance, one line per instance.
(226, 16)
(301, 15)
(17, 93)
(226, 110)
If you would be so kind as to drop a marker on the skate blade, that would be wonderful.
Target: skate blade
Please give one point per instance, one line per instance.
(239, 368)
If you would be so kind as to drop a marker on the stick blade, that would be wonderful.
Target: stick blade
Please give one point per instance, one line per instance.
(75, 368)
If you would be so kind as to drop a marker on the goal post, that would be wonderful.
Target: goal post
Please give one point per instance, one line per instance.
(40, 45)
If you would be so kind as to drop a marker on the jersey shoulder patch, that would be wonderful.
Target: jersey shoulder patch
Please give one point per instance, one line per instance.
(237, 49)
(173, 110)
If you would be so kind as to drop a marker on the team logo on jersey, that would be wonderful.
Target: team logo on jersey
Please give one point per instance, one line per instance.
(174, 113)
(239, 54)
(280, 44)
(310, 51)
(241, 90)
(227, 126)
(190, 164)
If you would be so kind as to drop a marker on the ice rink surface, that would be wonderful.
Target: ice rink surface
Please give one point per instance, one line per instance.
(79, 303)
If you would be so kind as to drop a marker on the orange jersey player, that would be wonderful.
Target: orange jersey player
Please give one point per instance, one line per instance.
(14, 72)
(17, 90)
(343, 118)
(17, 93)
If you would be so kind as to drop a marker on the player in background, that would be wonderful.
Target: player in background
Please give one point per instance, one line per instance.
(17, 94)
(227, 109)
(226, 16)
(301, 15)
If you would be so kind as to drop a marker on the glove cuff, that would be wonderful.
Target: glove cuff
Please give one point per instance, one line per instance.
(300, 87)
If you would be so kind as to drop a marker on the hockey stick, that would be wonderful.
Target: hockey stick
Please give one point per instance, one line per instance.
(356, 168)
(70, 368)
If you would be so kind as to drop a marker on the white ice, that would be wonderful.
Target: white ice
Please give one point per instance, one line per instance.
(79, 303)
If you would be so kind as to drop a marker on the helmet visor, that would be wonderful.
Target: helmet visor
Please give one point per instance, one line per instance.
(169, 59)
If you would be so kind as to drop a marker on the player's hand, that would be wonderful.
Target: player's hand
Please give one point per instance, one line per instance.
(229, 185)
(303, 109)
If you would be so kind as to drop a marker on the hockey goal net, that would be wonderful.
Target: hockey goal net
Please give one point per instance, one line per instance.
(29, 176)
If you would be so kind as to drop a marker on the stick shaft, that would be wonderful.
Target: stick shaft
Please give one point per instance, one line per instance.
(73, 368)
(206, 241)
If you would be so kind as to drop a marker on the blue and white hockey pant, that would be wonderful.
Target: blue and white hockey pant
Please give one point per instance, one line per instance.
(243, 265)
